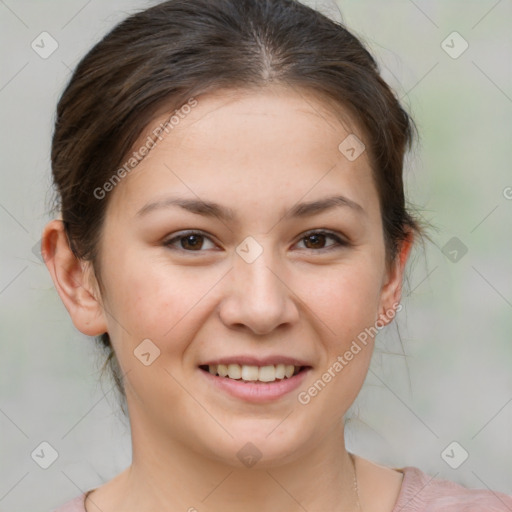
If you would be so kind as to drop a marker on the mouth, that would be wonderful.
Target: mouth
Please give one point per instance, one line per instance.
(254, 374)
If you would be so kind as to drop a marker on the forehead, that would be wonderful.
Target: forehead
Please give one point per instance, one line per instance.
(273, 110)
(277, 141)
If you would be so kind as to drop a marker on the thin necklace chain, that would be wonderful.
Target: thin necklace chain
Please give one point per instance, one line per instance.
(356, 486)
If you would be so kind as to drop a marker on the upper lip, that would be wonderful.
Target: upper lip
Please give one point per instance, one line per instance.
(247, 360)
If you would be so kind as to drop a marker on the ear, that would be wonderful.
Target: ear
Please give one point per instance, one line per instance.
(391, 291)
(74, 280)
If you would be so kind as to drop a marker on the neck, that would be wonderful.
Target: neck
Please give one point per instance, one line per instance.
(321, 477)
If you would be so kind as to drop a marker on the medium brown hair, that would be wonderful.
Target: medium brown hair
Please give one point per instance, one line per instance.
(163, 56)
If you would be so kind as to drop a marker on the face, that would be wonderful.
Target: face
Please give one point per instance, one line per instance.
(276, 272)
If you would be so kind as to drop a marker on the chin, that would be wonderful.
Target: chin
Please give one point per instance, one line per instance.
(258, 444)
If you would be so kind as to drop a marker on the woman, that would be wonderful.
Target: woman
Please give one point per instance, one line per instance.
(233, 229)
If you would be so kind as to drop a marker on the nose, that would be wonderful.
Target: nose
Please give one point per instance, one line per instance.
(258, 296)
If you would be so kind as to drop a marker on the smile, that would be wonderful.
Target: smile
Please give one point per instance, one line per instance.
(250, 373)
(256, 384)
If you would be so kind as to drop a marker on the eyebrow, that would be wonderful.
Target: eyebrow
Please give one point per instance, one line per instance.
(223, 213)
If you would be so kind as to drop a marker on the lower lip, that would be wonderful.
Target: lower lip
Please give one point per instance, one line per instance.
(256, 392)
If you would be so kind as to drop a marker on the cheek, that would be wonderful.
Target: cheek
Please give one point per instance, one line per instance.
(153, 299)
(346, 300)
(347, 306)
(150, 300)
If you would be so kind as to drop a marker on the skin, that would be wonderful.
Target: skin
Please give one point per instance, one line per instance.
(258, 153)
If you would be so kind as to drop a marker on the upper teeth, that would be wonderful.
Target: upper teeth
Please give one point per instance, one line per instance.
(251, 373)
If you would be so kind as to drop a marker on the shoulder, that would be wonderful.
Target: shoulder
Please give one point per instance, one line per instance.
(75, 505)
(421, 492)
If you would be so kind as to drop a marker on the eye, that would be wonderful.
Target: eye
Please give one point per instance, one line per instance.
(190, 241)
(193, 241)
(317, 239)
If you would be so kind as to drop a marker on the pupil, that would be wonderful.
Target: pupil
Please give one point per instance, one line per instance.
(192, 240)
(316, 239)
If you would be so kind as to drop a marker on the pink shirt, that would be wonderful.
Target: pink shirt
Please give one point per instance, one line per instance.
(419, 493)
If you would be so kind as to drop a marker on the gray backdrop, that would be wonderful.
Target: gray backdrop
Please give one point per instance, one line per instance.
(454, 386)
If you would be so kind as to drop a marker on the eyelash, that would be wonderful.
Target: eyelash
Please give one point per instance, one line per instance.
(340, 242)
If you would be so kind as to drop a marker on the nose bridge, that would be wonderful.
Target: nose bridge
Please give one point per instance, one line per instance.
(258, 276)
(253, 271)
(257, 296)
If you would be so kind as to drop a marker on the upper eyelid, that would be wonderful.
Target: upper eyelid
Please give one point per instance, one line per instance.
(340, 239)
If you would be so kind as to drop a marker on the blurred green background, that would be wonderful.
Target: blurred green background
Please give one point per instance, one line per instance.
(455, 382)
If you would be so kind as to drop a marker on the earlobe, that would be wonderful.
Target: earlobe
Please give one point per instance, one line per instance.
(74, 281)
(391, 292)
